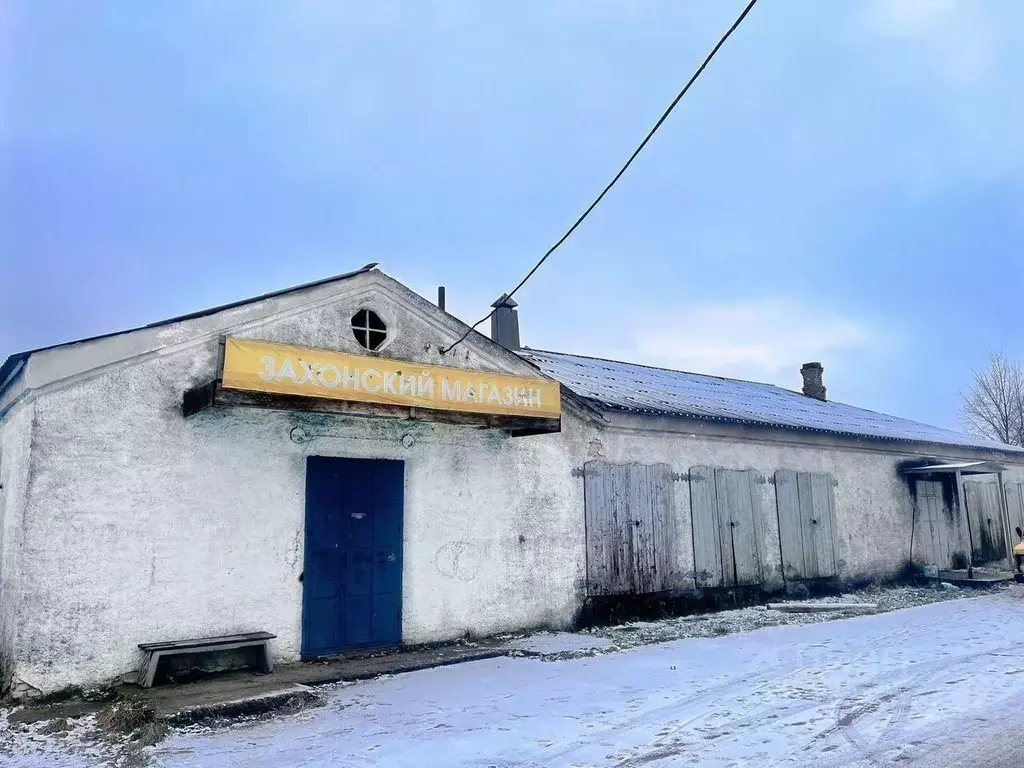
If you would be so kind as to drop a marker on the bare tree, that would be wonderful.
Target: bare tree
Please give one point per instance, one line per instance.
(993, 406)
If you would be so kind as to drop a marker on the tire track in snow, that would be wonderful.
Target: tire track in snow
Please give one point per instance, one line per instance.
(851, 710)
(769, 675)
(677, 705)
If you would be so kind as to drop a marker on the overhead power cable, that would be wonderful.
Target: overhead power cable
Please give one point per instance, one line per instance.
(622, 170)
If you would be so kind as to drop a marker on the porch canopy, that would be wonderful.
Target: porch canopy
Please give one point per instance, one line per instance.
(963, 467)
(958, 470)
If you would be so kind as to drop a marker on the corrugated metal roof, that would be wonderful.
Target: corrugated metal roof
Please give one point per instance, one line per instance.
(643, 389)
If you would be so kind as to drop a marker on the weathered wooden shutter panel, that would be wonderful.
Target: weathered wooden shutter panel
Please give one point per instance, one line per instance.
(823, 524)
(609, 538)
(807, 523)
(985, 512)
(975, 504)
(617, 484)
(1015, 506)
(995, 520)
(629, 528)
(707, 543)
(806, 502)
(642, 512)
(741, 563)
(664, 527)
(723, 492)
(934, 536)
(598, 531)
(791, 538)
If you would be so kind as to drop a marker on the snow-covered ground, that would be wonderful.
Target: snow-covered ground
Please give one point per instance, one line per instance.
(928, 685)
(862, 691)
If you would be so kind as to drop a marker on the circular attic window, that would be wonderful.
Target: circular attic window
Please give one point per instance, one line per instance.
(370, 331)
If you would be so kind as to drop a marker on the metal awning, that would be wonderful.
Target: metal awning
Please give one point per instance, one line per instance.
(963, 467)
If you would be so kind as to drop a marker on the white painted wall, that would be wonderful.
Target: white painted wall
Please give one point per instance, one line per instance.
(15, 445)
(145, 526)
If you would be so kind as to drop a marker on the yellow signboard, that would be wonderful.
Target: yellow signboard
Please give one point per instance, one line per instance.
(260, 366)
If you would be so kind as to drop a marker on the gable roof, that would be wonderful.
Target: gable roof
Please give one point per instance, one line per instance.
(614, 385)
(13, 363)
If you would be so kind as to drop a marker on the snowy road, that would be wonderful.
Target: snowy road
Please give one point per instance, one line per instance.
(926, 686)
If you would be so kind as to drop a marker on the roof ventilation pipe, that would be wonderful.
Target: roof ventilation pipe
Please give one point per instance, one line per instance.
(505, 323)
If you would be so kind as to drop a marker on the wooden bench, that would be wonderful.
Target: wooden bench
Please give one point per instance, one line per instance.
(156, 651)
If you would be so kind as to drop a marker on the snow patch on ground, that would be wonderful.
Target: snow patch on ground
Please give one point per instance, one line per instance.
(557, 643)
(637, 633)
(77, 742)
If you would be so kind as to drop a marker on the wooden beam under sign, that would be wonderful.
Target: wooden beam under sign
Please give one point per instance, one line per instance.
(198, 398)
(213, 394)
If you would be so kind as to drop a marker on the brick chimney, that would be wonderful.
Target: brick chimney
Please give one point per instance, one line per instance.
(505, 323)
(813, 385)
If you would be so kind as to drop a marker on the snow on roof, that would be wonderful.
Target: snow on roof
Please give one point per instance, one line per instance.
(643, 389)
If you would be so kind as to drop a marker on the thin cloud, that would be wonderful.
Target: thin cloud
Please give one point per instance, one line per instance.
(762, 341)
(912, 17)
(958, 40)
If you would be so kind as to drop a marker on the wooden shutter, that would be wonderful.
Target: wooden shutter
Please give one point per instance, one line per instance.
(707, 543)
(787, 501)
(630, 529)
(807, 525)
(823, 524)
(986, 519)
(1015, 506)
(664, 527)
(932, 523)
(737, 515)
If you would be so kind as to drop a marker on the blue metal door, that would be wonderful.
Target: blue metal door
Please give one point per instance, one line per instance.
(352, 579)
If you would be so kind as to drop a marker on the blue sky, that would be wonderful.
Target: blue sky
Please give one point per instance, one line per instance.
(843, 184)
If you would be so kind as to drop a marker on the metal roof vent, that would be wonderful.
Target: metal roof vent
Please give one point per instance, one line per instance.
(505, 323)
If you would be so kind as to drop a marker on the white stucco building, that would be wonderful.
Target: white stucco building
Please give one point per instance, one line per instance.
(157, 486)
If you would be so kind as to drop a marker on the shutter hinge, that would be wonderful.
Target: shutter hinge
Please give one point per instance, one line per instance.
(835, 483)
(578, 472)
(695, 477)
(680, 476)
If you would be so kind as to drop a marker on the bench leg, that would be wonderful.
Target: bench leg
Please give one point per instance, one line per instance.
(149, 669)
(268, 663)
